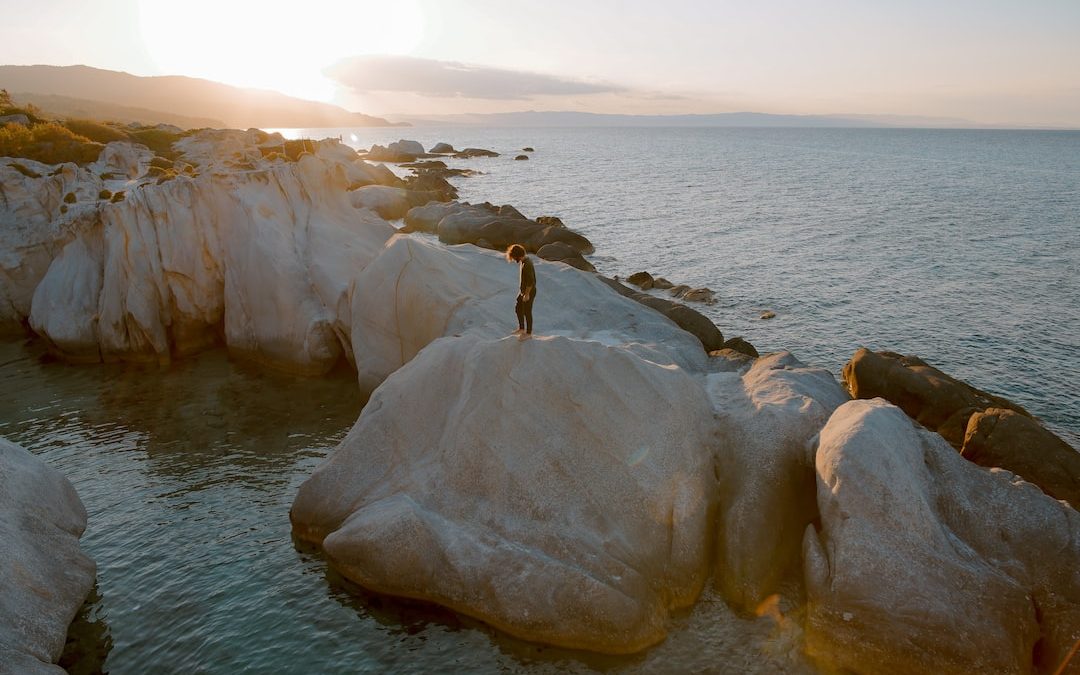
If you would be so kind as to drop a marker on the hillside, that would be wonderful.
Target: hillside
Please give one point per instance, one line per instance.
(184, 101)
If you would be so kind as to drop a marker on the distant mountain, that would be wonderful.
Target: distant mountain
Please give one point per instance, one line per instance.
(108, 94)
(735, 119)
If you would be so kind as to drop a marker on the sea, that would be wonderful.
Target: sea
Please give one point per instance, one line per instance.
(959, 246)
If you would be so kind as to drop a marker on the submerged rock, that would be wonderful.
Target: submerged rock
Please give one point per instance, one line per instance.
(44, 575)
(534, 495)
(469, 153)
(928, 563)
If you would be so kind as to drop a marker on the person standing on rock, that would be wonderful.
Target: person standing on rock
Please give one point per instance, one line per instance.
(526, 290)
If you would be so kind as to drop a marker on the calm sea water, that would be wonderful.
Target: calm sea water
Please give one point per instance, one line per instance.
(958, 246)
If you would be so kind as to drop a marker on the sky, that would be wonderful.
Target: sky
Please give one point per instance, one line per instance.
(987, 61)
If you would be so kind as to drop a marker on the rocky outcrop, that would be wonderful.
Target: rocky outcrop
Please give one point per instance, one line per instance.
(390, 203)
(469, 153)
(417, 291)
(767, 414)
(741, 345)
(398, 151)
(580, 522)
(44, 575)
(260, 258)
(565, 253)
(938, 401)
(442, 149)
(1007, 439)
(692, 321)
(925, 562)
(494, 227)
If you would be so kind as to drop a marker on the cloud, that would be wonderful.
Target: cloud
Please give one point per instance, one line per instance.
(429, 77)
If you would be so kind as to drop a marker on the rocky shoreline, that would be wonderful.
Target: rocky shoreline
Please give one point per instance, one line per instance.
(526, 483)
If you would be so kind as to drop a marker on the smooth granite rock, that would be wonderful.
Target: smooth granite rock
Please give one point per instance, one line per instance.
(519, 482)
(767, 416)
(418, 290)
(927, 563)
(44, 575)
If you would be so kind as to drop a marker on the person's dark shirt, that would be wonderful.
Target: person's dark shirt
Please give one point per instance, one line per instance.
(528, 275)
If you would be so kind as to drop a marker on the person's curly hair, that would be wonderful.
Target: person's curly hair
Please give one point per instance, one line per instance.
(515, 252)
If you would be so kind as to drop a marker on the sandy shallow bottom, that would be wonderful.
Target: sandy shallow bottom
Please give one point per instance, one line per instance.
(187, 474)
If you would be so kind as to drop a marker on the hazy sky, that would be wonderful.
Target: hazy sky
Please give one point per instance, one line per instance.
(984, 60)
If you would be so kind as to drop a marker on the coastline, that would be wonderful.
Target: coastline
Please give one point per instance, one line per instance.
(319, 358)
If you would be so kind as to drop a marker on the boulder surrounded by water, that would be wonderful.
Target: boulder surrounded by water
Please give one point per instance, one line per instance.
(520, 483)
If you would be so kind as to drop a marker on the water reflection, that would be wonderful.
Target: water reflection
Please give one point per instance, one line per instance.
(89, 639)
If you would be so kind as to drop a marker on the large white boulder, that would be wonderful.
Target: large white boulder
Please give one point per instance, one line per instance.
(44, 575)
(263, 259)
(926, 563)
(767, 416)
(558, 489)
(35, 224)
(418, 290)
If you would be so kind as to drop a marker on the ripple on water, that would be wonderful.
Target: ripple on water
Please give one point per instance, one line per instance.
(197, 569)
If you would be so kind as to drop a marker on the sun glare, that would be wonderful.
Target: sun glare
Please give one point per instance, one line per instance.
(275, 45)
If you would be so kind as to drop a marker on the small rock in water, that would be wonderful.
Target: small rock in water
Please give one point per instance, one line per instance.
(640, 279)
(767, 314)
(661, 282)
(528, 149)
(520, 157)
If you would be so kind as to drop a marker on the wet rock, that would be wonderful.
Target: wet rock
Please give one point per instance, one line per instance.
(554, 221)
(741, 345)
(937, 401)
(662, 284)
(44, 575)
(678, 290)
(692, 321)
(521, 157)
(767, 314)
(469, 153)
(560, 252)
(640, 278)
(528, 149)
(586, 537)
(703, 295)
(997, 437)
(442, 149)
(503, 226)
(928, 563)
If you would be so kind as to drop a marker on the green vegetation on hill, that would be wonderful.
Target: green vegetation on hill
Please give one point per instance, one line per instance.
(72, 140)
(48, 143)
